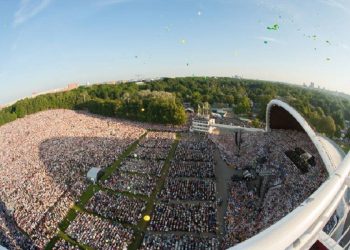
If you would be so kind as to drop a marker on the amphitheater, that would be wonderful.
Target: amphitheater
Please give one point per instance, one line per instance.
(163, 187)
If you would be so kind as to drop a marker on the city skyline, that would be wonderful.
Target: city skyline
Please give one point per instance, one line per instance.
(47, 44)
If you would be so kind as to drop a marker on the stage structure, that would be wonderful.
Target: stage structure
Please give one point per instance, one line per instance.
(303, 228)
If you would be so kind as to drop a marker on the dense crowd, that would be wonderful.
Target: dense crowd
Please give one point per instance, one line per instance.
(116, 207)
(158, 140)
(198, 218)
(193, 162)
(132, 183)
(44, 159)
(10, 235)
(179, 242)
(149, 153)
(192, 149)
(47, 226)
(142, 166)
(248, 213)
(135, 175)
(98, 233)
(64, 245)
(190, 189)
(193, 169)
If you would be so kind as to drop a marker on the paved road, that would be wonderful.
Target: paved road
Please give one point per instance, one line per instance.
(223, 175)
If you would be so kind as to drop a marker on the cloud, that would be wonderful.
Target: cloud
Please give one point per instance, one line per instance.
(340, 4)
(111, 2)
(28, 9)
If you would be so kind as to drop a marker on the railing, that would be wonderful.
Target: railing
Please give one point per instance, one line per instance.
(300, 228)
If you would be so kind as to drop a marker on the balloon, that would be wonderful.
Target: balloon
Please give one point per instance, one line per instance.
(146, 218)
(274, 27)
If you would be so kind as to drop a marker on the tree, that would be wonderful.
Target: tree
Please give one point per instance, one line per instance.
(327, 125)
(347, 135)
(244, 106)
(256, 123)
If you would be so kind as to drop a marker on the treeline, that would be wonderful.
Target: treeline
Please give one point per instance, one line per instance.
(123, 101)
(152, 102)
(324, 111)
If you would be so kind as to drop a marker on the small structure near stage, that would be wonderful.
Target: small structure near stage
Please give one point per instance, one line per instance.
(94, 174)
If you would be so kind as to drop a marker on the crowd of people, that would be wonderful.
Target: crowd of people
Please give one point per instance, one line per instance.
(46, 155)
(193, 169)
(192, 149)
(188, 189)
(179, 242)
(117, 207)
(10, 235)
(248, 213)
(132, 183)
(45, 158)
(197, 218)
(64, 245)
(142, 166)
(158, 140)
(136, 174)
(47, 226)
(148, 153)
(187, 201)
(99, 233)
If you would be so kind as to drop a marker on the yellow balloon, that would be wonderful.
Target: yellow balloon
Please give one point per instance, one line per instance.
(146, 218)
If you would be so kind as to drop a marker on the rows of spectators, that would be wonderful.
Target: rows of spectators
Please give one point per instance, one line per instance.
(197, 218)
(188, 189)
(150, 153)
(248, 213)
(193, 169)
(158, 140)
(10, 235)
(47, 226)
(64, 245)
(46, 155)
(192, 162)
(142, 166)
(179, 242)
(99, 233)
(132, 183)
(191, 149)
(117, 207)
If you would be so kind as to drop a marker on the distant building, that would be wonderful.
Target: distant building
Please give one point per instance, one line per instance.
(312, 85)
(140, 83)
(72, 86)
(221, 112)
(189, 110)
(202, 124)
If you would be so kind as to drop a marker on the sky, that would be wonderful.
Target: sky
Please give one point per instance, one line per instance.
(47, 44)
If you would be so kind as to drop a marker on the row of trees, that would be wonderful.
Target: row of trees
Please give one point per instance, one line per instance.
(152, 102)
(123, 101)
(325, 111)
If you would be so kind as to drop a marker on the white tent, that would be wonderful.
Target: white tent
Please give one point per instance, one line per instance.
(92, 175)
